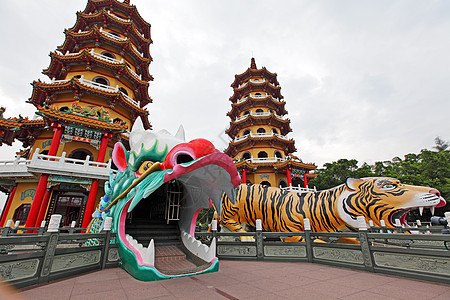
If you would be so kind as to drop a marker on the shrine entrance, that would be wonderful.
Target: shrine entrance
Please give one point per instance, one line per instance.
(69, 206)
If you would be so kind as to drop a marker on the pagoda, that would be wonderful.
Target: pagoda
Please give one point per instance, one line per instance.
(259, 147)
(98, 86)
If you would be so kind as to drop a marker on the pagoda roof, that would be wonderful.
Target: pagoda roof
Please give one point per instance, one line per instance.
(75, 118)
(254, 72)
(106, 17)
(58, 63)
(251, 86)
(43, 94)
(279, 164)
(250, 101)
(20, 128)
(252, 139)
(75, 40)
(129, 10)
(265, 119)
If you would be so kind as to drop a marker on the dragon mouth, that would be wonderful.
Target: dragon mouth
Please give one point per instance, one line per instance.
(187, 188)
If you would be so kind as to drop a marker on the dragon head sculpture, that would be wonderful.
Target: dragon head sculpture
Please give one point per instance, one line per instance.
(155, 163)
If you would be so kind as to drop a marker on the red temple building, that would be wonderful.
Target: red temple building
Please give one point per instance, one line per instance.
(98, 86)
(258, 128)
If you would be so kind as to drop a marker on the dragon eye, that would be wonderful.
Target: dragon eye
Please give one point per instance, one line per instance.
(388, 186)
(145, 166)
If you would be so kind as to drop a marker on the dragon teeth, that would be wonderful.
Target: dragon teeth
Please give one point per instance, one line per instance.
(197, 248)
(421, 210)
(432, 210)
(147, 253)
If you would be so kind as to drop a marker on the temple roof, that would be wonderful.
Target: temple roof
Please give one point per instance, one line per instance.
(253, 72)
(43, 94)
(76, 118)
(105, 16)
(252, 119)
(274, 139)
(77, 40)
(252, 102)
(129, 10)
(251, 86)
(20, 128)
(282, 164)
(59, 62)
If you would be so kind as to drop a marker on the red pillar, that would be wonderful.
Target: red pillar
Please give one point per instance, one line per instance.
(289, 177)
(37, 200)
(42, 185)
(43, 208)
(94, 187)
(305, 180)
(7, 206)
(244, 176)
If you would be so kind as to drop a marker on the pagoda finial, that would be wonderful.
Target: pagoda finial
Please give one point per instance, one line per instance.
(253, 64)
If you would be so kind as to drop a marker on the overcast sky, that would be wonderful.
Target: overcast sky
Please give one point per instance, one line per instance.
(362, 79)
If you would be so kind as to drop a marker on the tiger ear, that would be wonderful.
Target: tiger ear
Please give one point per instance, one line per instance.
(353, 183)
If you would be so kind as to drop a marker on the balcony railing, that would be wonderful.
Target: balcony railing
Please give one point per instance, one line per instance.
(258, 114)
(298, 189)
(113, 36)
(256, 96)
(106, 88)
(107, 58)
(117, 17)
(59, 165)
(265, 134)
(114, 61)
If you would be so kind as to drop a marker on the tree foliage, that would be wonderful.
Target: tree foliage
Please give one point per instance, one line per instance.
(427, 168)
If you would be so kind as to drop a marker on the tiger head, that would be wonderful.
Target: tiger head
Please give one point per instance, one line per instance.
(383, 198)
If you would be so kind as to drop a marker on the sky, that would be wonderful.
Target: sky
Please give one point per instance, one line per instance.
(365, 80)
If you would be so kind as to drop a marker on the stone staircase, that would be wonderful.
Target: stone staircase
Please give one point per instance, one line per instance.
(171, 257)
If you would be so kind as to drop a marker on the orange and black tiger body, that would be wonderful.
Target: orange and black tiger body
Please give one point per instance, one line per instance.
(376, 199)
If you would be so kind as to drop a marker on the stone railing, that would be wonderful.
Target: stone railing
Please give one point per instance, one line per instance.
(422, 256)
(28, 259)
(58, 165)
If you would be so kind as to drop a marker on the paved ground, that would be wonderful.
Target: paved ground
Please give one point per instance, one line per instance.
(244, 280)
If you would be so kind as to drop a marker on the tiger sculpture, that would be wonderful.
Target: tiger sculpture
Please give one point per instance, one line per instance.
(336, 209)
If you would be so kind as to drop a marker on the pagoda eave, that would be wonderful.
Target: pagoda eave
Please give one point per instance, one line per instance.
(272, 77)
(73, 118)
(59, 62)
(129, 10)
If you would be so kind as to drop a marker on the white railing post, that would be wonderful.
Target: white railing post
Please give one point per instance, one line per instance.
(361, 223)
(62, 160)
(53, 225)
(86, 163)
(8, 223)
(107, 224)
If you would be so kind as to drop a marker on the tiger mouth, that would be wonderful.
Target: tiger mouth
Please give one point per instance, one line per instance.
(399, 214)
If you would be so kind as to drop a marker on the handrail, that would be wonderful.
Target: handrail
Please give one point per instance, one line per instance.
(106, 88)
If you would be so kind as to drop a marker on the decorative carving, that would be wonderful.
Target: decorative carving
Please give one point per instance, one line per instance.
(50, 251)
(336, 254)
(231, 250)
(364, 243)
(297, 251)
(410, 262)
(75, 260)
(113, 254)
(19, 269)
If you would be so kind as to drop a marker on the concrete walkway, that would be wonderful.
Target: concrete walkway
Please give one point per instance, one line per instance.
(244, 280)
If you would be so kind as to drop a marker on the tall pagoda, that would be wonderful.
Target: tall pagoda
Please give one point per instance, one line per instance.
(259, 147)
(98, 86)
